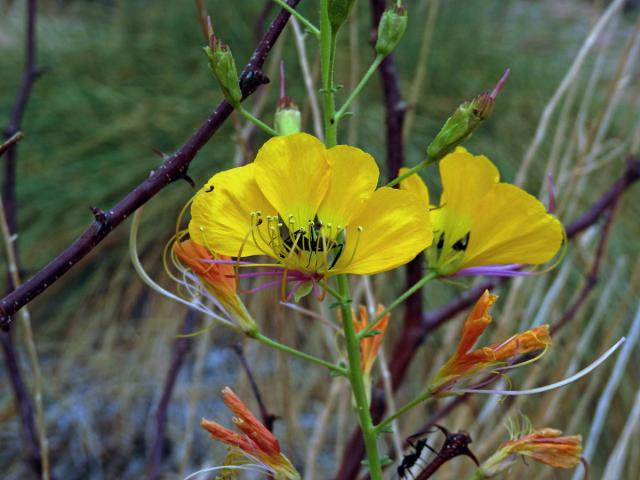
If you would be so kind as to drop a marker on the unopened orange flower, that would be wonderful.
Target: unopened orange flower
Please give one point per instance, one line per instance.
(370, 345)
(466, 362)
(256, 443)
(545, 445)
(218, 277)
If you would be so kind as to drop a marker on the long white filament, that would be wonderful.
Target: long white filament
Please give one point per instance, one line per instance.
(248, 468)
(133, 251)
(551, 386)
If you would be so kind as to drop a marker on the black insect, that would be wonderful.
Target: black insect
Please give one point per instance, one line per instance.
(455, 444)
(409, 460)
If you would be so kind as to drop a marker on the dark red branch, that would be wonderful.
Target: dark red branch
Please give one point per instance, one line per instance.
(406, 347)
(592, 277)
(23, 403)
(173, 168)
(268, 418)
(591, 216)
(30, 73)
(182, 347)
(20, 390)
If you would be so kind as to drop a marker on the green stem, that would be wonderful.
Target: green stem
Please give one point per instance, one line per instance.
(334, 293)
(327, 56)
(357, 383)
(297, 353)
(409, 172)
(255, 120)
(402, 410)
(327, 49)
(356, 91)
(414, 288)
(301, 18)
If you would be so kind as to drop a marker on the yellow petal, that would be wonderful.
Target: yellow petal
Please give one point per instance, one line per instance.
(415, 185)
(221, 217)
(293, 173)
(395, 228)
(511, 226)
(354, 177)
(465, 180)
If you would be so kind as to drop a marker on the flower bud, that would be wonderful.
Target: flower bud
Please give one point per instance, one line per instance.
(339, 11)
(463, 122)
(391, 28)
(544, 445)
(219, 280)
(287, 119)
(224, 69)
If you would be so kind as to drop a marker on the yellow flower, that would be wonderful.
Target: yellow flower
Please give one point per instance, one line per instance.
(314, 210)
(545, 445)
(484, 225)
(255, 443)
(217, 275)
(466, 362)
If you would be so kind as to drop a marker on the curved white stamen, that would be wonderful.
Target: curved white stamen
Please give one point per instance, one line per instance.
(551, 386)
(135, 259)
(248, 468)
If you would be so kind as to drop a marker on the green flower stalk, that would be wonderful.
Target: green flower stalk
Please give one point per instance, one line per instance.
(464, 121)
(391, 28)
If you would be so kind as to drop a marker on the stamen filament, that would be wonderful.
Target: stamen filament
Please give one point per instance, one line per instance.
(137, 265)
(359, 231)
(551, 386)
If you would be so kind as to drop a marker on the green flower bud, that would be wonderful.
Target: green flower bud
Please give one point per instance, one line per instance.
(224, 69)
(339, 11)
(287, 120)
(463, 122)
(391, 28)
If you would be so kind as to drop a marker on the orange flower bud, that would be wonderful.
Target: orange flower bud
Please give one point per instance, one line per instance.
(466, 362)
(255, 442)
(218, 277)
(545, 445)
(370, 345)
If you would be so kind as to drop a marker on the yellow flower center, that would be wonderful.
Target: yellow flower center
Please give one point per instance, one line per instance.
(313, 247)
(447, 260)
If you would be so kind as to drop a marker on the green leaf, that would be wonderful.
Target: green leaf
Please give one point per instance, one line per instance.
(302, 291)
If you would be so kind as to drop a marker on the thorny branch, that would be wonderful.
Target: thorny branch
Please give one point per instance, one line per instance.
(173, 168)
(23, 401)
(407, 350)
